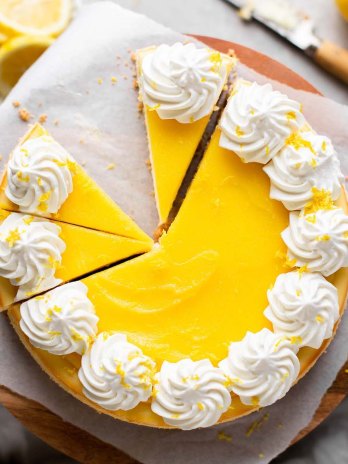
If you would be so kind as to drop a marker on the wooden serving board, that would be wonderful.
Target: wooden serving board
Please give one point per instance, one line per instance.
(84, 447)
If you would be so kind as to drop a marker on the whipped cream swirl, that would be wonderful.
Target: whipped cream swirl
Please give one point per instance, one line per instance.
(261, 368)
(308, 160)
(115, 374)
(318, 241)
(39, 175)
(62, 321)
(182, 82)
(257, 121)
(303, 307)
(189, 394)
(30, 252)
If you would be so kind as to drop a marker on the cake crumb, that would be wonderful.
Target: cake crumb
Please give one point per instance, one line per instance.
(16, 104)
(113, 80)
(42, 118)
(56, 122)
(231, 53)
(222, 436)
(24, 115)
(125, 77)
(148, 164)
(83, 163)
(111, 166)
(140, 106)
(100, 80)
(135, 84)
(1, 157)
(81, 141)
(133, 57)
(216, 108)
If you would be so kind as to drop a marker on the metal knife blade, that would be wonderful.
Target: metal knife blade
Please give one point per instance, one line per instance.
(284, 19)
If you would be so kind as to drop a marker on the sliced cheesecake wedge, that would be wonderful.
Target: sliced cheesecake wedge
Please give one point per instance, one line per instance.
(179, 87)
(37, 254)
(43, 179)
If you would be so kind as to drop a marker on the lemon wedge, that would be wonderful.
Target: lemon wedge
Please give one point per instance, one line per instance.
(16, 56)
(34, 17)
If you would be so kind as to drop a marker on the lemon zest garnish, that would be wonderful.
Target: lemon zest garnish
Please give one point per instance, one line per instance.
(311, 218)
(200, 406)
(321, 199)
(291, 115)
(324, 146)
(323, 238)
(154, 108)
(296, 141)
(216, 59)
(13, 237)
(239, 131)
(296, 340)
(302, 269)
(222, 436)
(54, 333)
(22, 178)
(319, 319)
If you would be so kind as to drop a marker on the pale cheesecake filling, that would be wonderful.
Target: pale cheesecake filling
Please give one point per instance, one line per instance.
(182, 82)
(304, 307)
(40, 176)
(115, 374)
(318, 241)
(257, 120)
(190, 394)
(30, 252)
(62, 321)
(307, 161)
(262, 367)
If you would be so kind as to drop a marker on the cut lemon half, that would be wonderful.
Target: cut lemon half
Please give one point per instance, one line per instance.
(343, 7)
(16, 56)
(34, 17)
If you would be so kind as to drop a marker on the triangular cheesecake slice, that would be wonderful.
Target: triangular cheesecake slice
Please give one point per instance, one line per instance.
(37, 254)
(179, 87)
(43, 179)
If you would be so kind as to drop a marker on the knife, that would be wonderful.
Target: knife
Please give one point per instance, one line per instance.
(296, 27)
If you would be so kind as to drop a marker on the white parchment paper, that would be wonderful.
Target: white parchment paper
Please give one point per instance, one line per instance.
(97, 120)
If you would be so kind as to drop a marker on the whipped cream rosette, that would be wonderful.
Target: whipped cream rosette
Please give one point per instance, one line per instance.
(318, 241)
(30, 251)
(39, 175)
(261, 368)
(307, 161)
(115, 374)
(62, 321)
(190, 394)
(303, 307)
(182, 81)
(257, 121)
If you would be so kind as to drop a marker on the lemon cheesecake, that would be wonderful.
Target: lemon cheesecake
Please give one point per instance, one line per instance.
(43, 179)
(236, 301)
(180, 86)
(37, 254)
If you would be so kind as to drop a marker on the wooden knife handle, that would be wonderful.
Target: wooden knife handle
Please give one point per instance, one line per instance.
(333, 59)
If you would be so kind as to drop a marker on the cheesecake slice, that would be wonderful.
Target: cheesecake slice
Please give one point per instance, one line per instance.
(42, 179)
(179, 86)
(37, 254)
